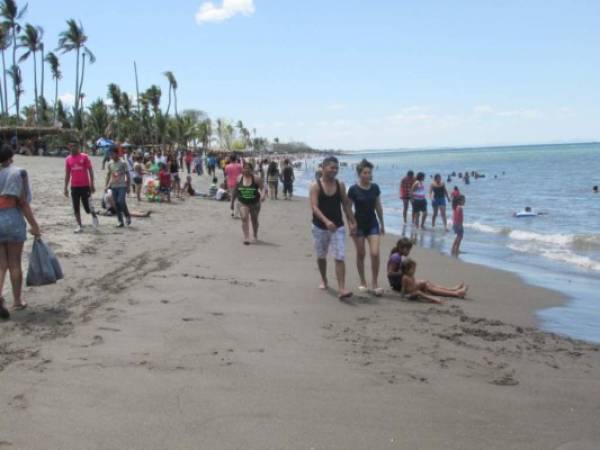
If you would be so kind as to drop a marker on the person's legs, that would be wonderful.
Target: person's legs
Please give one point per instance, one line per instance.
(322, 264)
(14, 255)
(3, 265)
(85, 200)
(434, 216)
(374, 251)
(75, 199)
(423, 218)
(405, 209)
(444, 219)
(245, 216)
(119, 195)
(338, 249)
(254, 212)
(321, 239)
(340, 274)
(456, 245)
(443, 291)
(359, 242)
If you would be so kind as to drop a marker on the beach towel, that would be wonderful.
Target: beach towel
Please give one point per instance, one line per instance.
(44, 267)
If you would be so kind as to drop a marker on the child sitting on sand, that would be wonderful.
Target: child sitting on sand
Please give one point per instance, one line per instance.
(394, 265)
(422, 290)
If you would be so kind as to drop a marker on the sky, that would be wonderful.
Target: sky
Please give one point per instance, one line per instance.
(351, 74)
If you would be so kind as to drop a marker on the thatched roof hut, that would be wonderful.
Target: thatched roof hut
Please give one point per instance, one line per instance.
(7, 132)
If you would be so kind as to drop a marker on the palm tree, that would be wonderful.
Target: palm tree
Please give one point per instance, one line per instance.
(9, 11)
(173, 88)
(98, 119)
(5, 42)
(15, 75)
(54, 64)
(74, 39)
(31, 40)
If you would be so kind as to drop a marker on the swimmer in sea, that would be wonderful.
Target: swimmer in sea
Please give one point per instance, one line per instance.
(528, 212)
(595, 189)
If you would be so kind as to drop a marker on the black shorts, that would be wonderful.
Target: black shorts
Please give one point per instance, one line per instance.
(137, 180)
(419, 205)
(288, 187)
(81, 196)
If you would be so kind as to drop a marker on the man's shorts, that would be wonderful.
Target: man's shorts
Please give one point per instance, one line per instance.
(333, 242)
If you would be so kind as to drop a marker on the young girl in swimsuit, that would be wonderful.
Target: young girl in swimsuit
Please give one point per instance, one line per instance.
(423, 290)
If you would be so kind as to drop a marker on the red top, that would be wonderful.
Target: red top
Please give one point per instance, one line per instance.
(78, 166)
(189, 157)
(457, 215)
(164, 178)
(406, 186)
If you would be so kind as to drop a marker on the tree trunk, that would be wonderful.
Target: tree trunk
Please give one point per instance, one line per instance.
(175, 97)
(35, 89)
(76, 110)
(55, 100)
(14, 33)
(43, 66)
(81, 82)
(169, 105)
(2, 98)
(4, 80)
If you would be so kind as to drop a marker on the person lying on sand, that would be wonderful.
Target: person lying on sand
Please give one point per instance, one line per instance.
(109, 208)
(423, 290)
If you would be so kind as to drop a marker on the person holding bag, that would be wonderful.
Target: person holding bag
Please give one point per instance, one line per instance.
(15, 209)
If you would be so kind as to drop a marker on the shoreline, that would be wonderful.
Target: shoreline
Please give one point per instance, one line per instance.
(172, 332)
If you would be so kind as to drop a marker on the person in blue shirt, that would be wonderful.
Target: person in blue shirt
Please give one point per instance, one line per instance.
(368, 213)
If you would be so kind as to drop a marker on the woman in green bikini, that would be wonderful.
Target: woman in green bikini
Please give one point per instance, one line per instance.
(249, 191)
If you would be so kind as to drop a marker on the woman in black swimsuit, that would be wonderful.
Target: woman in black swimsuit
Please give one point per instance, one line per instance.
(250, 193)
(439, 195)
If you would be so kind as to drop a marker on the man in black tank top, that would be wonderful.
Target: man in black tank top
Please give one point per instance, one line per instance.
(327, 199)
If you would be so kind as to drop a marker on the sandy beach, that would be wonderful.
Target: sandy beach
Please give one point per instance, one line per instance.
(171, 334)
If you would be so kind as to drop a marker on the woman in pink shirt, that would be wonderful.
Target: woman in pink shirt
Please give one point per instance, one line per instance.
(232, 172)
(78, 170)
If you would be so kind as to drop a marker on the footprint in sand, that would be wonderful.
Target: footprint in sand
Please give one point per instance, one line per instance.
(506, 379)
(97, 340)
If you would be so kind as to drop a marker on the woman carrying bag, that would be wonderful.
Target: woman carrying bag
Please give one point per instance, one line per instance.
(15, 197)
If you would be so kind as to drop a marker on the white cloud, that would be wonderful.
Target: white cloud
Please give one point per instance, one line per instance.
(483, 109)
(520, 113)
(67, 99)
(210, 13)
(336, 107)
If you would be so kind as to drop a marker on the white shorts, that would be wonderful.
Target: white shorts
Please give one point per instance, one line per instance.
(333, 241)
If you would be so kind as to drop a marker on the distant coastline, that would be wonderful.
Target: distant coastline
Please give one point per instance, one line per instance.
(457, 147)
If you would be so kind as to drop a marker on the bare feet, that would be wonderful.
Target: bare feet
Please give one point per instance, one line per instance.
(344, 294)
(323, 285)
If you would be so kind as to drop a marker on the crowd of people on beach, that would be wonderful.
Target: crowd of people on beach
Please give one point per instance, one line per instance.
(156, 176)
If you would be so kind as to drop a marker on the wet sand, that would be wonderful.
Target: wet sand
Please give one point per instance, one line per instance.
(172, 334)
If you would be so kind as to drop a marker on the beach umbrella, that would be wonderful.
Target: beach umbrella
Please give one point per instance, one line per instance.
(103, 142)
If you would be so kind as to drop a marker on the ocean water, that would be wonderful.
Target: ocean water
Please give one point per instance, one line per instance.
(558, 250)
